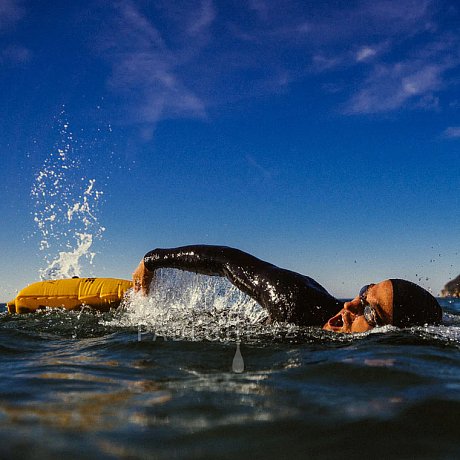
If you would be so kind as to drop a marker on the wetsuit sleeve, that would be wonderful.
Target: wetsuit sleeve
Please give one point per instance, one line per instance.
(287, 295)
(238, 267)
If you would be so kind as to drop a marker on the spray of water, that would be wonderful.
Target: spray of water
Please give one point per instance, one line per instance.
(183, 305)
(65, 209)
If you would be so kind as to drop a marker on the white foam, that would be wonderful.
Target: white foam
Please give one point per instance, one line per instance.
(188, 306)
(446, 333)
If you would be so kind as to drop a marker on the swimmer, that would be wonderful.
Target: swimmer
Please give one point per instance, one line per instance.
(299, 299)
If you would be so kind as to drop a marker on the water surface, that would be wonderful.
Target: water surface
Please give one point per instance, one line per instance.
(120, 385)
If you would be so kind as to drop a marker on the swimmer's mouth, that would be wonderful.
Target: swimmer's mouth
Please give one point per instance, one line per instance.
(336, 322)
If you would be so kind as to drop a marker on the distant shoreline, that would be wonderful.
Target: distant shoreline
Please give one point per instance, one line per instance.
(452, 288)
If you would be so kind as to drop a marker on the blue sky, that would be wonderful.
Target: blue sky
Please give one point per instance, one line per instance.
(321, 136)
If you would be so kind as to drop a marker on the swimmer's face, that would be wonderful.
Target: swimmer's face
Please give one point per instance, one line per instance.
(372, 307)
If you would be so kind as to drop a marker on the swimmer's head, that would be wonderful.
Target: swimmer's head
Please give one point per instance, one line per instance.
(394, 301)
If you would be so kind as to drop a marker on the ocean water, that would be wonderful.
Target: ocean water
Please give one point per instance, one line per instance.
(199, 375)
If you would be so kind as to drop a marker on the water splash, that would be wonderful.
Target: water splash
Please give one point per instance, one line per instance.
(183, 305)
(65, 209)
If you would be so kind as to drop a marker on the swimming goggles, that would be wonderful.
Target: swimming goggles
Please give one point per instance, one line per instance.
(370, 314)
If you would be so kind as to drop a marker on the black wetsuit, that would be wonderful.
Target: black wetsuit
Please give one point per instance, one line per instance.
(287, 295)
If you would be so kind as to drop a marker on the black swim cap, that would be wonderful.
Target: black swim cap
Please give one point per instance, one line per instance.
(413, 305)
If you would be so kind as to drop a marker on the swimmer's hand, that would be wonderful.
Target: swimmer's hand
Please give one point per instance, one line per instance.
(142, 278)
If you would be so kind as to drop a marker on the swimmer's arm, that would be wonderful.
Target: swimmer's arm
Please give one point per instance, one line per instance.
(286, 295)
(238, 267)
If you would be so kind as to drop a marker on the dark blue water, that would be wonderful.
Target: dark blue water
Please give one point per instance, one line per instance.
(86, 385)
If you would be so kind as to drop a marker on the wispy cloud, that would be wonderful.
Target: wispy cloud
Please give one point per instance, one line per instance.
(264, 172)
(389, 87)
(369, 34)
(365, 53)
(12, 54)
(390, 17)
(329, 25)
(173, 60)
(10, 12)
(15, 54)
(147, 71)
(261, 8)
(322, 62)
(202, 18)
(452, 132)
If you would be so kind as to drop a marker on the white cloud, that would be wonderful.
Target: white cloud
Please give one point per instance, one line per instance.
(365, 53)
(322, 63)
(203, 18)
(170, 60)
(391, 86)
(336, 38)
(452, 132)
(402, 11)
(147, 71)
(368, 18)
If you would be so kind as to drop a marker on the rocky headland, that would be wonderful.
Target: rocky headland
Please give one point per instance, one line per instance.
(452, 288)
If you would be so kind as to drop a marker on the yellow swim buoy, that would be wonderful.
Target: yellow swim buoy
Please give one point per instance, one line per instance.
(99, 293)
